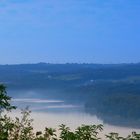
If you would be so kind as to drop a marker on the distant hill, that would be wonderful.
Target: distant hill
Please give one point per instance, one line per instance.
(43, 75)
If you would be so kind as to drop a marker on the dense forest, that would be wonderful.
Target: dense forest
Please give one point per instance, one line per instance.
(105, 90)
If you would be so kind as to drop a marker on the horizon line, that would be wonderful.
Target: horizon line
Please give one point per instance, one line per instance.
(70, 63)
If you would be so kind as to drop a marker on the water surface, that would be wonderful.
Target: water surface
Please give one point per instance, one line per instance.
(51, 112)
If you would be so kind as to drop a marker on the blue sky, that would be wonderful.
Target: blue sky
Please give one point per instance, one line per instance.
(60, 31)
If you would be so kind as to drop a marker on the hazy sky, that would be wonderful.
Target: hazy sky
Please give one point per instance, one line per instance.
(59, 31)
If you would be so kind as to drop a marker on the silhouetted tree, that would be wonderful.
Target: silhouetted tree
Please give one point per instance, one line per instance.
(5, 99)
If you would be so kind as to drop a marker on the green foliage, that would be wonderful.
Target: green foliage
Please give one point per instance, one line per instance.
(114, 136)
(18, 129)
(66, 134)
(89, 132)
(5, 99)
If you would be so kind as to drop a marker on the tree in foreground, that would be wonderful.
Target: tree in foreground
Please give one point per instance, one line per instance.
(5, 100)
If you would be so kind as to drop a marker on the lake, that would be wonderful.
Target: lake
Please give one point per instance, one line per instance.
(51, 112)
